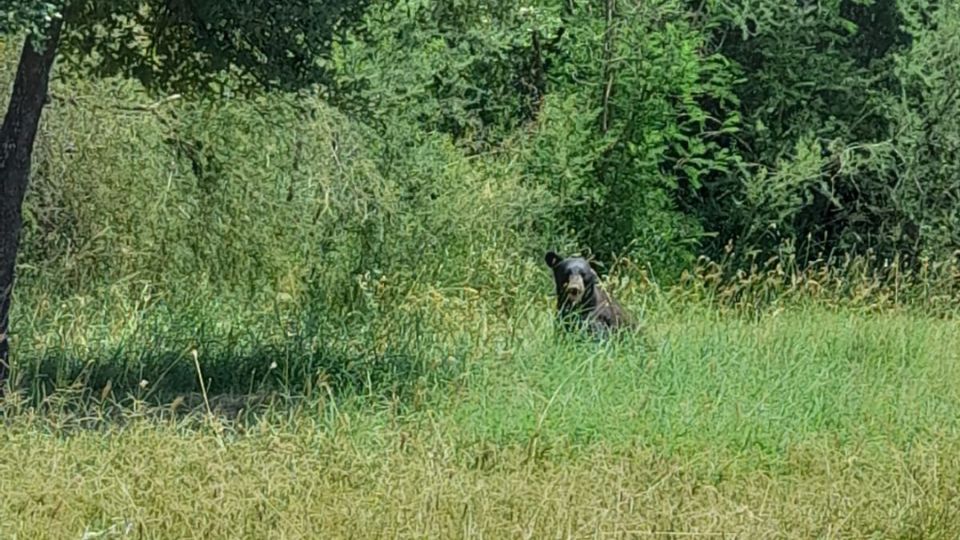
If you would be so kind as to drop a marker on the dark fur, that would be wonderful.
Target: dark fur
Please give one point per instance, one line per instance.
(596, 310)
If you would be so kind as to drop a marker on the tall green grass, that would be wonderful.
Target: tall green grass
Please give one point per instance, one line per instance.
(804, 422)
(704, 381)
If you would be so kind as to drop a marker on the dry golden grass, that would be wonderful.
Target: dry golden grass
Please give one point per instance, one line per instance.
(159, 480)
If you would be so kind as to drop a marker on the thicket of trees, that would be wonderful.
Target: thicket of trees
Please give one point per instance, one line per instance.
(671, 128)
(449, 140)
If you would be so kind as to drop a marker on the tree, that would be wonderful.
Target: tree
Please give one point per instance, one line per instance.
(219, 46)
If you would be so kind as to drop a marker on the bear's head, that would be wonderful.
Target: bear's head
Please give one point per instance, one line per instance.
(574, 277)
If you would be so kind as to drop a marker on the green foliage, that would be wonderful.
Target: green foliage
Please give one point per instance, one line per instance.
(834, 118)
(27, 15)
(290, 217)
(926, 195)
(182, 46)
(803, 93)
(660, 130)
(661, 108)
(774, 199)
(627, 95)
(471, 69)
(253, 195)
(562, 156)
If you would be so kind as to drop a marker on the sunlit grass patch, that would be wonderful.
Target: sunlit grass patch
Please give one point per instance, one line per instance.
(359, 475)
(704, 382)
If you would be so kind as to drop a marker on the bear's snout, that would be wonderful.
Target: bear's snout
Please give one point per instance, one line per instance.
(574, 288)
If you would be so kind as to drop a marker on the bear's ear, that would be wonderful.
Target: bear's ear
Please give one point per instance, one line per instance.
(552, 259)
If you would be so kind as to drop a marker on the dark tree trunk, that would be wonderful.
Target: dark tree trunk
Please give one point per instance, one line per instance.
(16, 148)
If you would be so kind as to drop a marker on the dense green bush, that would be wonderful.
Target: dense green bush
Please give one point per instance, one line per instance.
(926, 191)
(659, 108)
(258, 196)
(667, 129)
(615, 102)
(468, 136)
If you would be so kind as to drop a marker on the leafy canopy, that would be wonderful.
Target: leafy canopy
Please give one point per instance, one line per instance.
(187, 46)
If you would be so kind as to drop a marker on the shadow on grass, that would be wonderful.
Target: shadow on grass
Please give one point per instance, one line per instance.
(228, 377)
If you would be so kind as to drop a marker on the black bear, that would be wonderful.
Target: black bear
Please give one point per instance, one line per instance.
(580, 300)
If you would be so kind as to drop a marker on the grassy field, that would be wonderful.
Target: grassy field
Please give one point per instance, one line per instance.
(802, 422)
